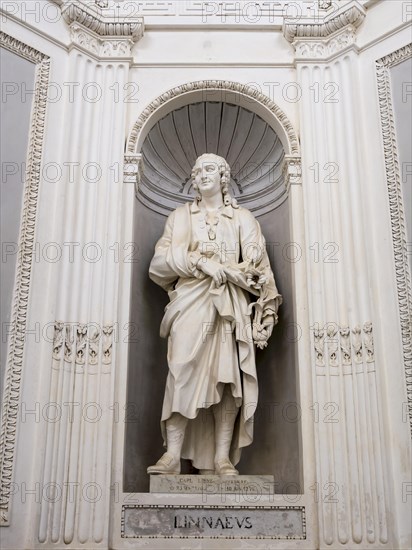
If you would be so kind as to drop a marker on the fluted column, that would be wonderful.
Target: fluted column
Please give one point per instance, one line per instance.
(350, 448)
(77, 463)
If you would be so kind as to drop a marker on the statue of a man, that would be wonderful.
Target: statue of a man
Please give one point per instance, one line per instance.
(211, 259)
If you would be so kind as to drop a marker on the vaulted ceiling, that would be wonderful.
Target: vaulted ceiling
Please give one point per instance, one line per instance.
(246, 141)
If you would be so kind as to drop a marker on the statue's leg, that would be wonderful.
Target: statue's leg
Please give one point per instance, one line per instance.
(225, 414)
(169, 463)
(175, 433)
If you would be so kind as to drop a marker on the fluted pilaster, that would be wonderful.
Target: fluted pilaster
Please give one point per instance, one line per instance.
(77, 465)
(350, 488)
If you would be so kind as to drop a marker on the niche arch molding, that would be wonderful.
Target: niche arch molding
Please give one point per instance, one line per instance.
(209, 90)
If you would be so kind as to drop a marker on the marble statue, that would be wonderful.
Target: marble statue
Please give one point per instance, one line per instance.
(211, 259)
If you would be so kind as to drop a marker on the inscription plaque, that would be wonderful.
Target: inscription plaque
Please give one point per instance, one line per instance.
(209, 485)
(274, 522)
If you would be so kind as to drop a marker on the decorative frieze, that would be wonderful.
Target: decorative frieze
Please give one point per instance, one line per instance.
(336, 346)
(107, 344)
(85, 343)
(81, 343)
(94, 341)
(357, 344)
(58, 340)
(68, 344)
(319, 343)
(345, 345)
(332, 342)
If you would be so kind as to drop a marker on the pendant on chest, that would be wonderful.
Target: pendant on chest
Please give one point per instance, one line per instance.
(212, 219)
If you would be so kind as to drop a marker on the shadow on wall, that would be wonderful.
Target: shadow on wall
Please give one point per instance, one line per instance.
(275, 450)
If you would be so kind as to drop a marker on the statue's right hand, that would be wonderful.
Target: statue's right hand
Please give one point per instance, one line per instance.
(214, 270)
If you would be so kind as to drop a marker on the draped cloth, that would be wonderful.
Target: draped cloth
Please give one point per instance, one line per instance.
(209, 328)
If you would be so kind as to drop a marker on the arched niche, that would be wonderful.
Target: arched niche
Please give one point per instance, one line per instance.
(168, 138)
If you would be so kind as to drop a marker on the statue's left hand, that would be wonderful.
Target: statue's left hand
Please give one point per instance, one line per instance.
(268, 323)
(263, 331)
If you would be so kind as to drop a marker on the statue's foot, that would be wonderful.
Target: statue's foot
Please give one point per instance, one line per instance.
(167, 464)
(224, 467)
(206, 472)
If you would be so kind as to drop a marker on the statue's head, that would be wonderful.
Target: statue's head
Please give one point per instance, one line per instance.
(213, 168)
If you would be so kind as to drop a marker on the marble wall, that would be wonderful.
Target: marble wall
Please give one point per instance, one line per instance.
(325, 76)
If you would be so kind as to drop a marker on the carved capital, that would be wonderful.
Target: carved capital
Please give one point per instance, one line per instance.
(292, 171)
(133, 170)
(307, 27)
(323, 37)
(91, 17)
(100, 32)
(91, 43)
(323, 48)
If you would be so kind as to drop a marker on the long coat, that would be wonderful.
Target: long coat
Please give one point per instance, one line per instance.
(209, 329)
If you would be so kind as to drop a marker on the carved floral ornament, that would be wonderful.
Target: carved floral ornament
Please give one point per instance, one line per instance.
(83, 343)
(337, 346)
(92, 44)
(313, 48)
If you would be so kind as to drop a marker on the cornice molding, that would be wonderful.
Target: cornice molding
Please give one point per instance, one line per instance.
(95, 19)
(350, 14)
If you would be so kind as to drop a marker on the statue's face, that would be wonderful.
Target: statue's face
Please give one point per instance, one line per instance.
(207, 177)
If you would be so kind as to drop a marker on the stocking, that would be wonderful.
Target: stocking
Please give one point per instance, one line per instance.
(225, 414)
